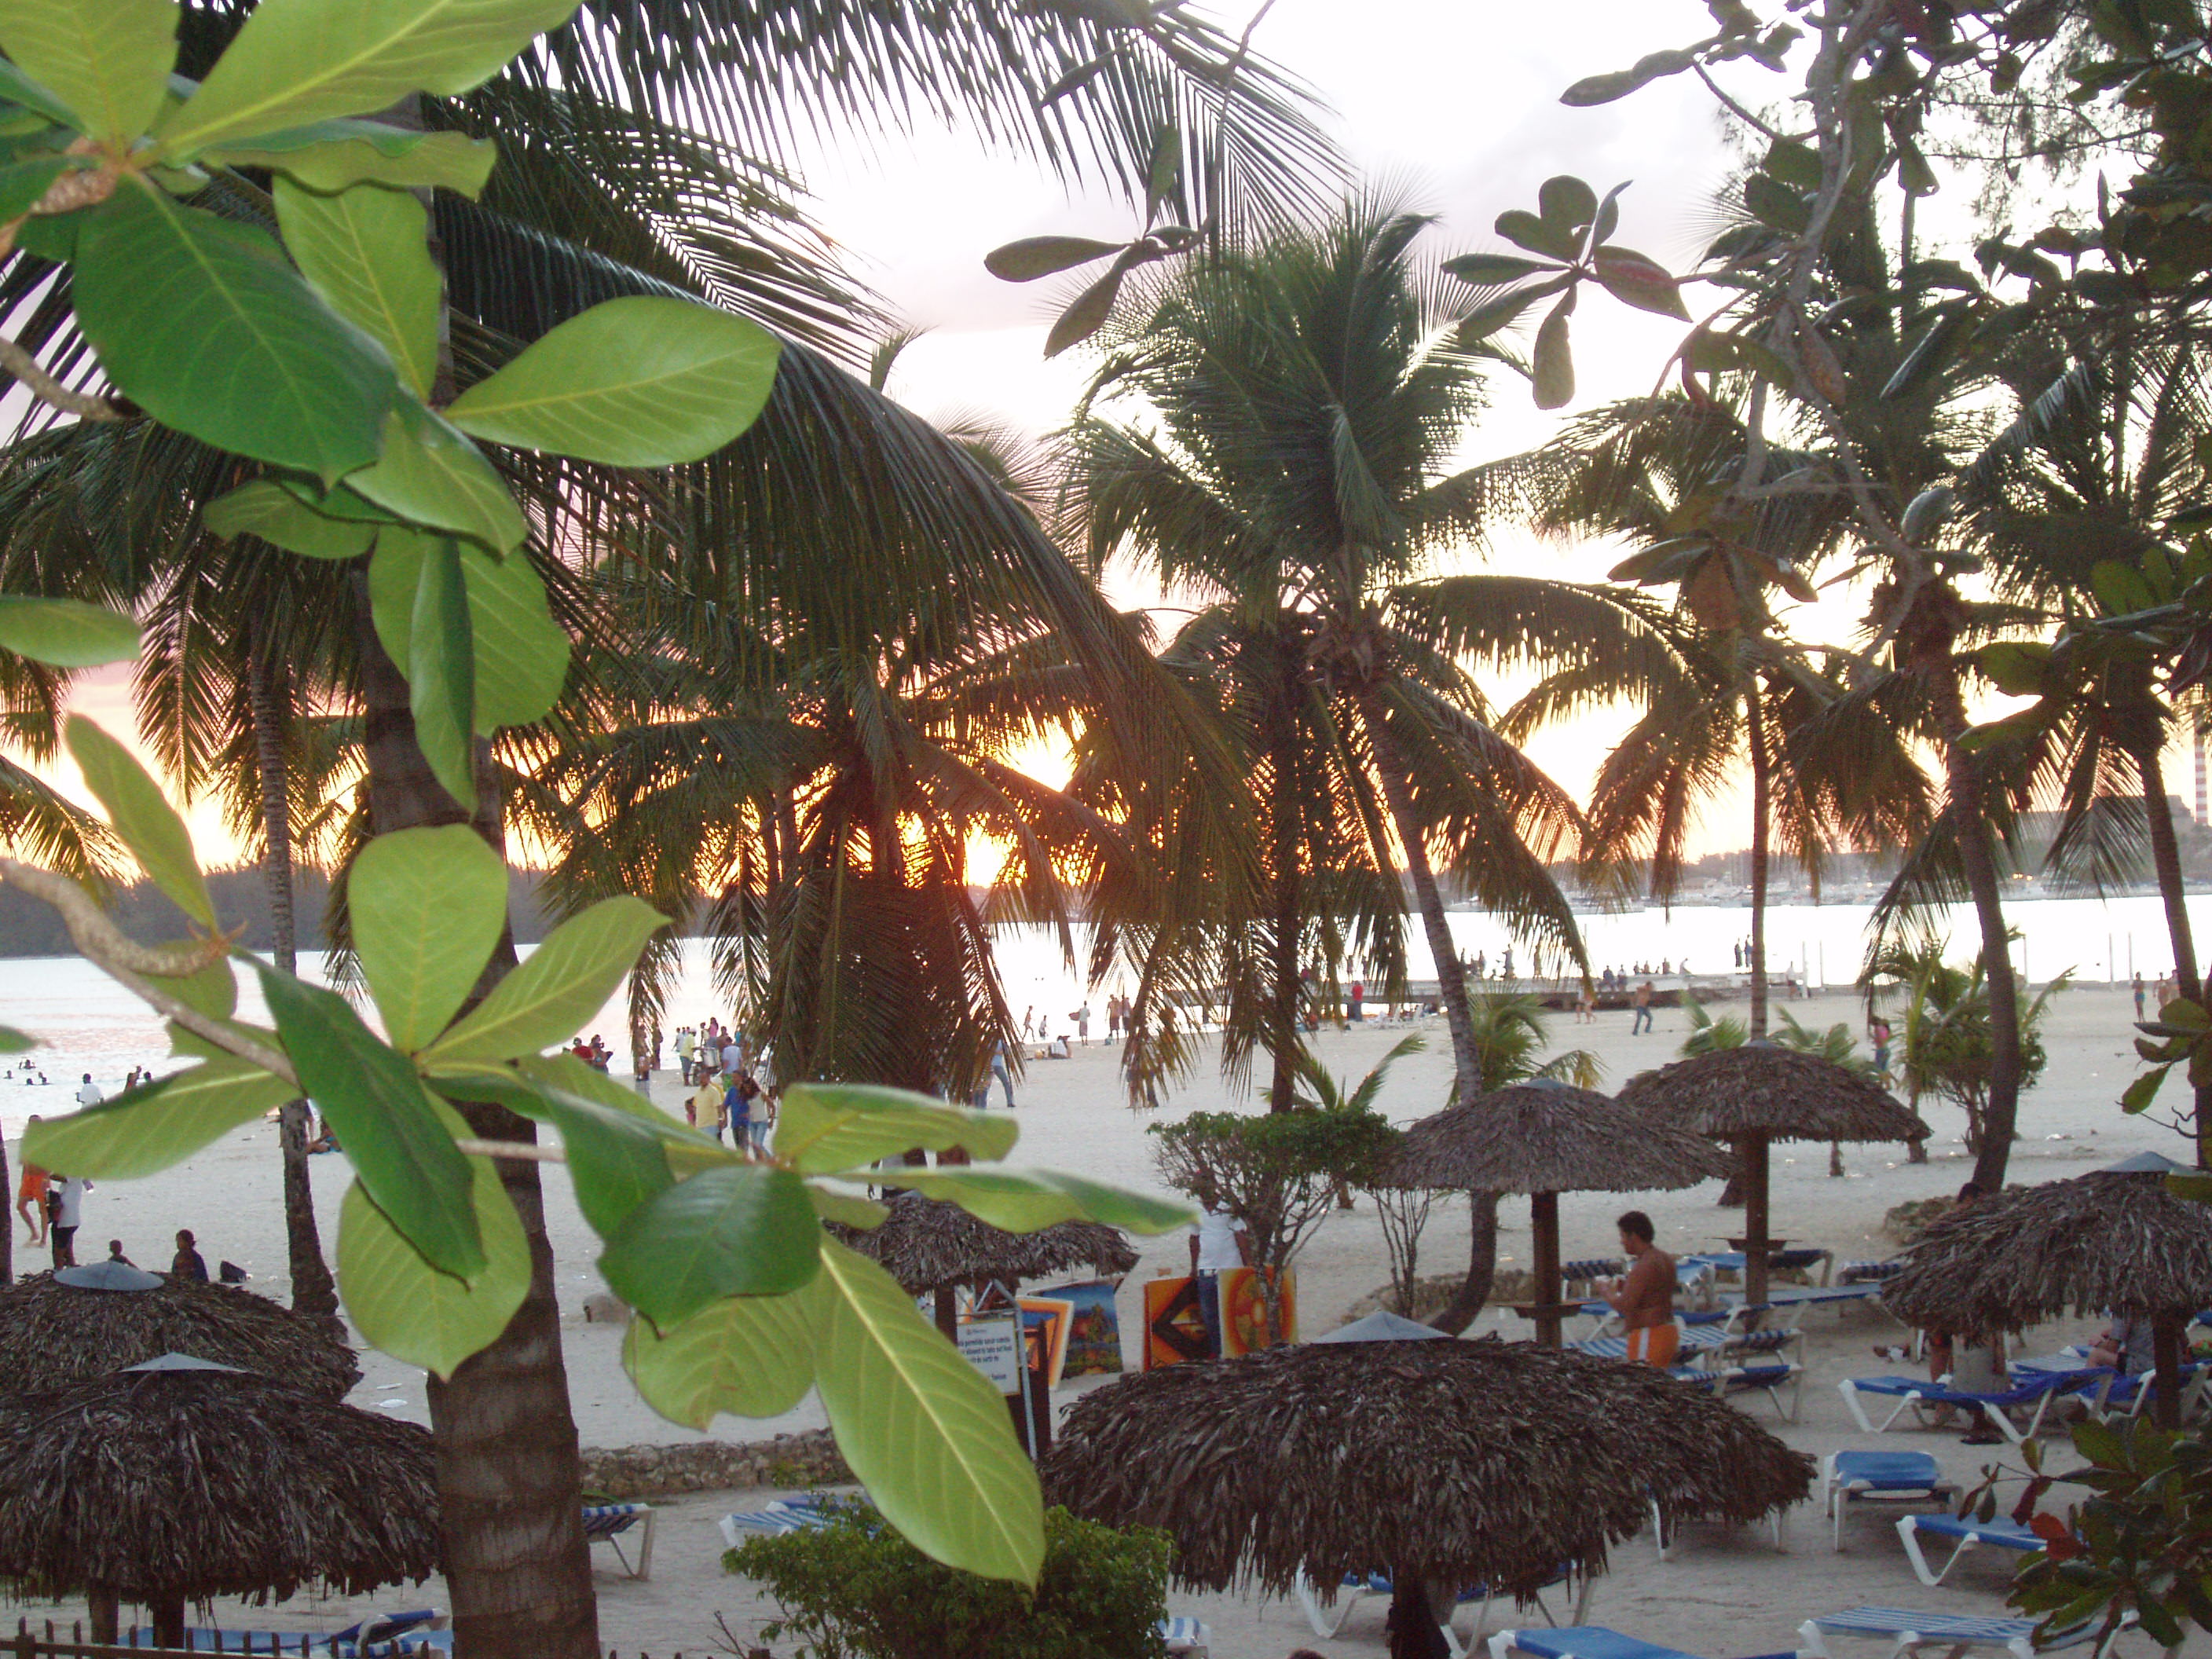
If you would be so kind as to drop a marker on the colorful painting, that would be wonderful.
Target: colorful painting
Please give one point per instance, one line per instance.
(1174, 1330)
(1094, 1331)
(1244, 1313)
(1048, 1319)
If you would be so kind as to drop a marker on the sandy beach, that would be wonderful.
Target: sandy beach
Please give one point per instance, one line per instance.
(1720, 1595)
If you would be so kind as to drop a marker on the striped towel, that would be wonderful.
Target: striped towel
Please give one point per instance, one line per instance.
(1186, 1636)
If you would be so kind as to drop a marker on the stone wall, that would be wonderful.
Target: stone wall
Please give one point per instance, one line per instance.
(624, 1474)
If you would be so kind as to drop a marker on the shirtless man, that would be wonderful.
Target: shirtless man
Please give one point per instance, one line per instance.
(1644, 1296)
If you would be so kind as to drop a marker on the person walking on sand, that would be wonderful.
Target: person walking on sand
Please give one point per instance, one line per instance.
(31, 1199)
(2138, 990)
(1644, 1297)
(1002, 1072)
(1585, 1006)
(1641, 1023)
(65, 1212)
(703, 1104)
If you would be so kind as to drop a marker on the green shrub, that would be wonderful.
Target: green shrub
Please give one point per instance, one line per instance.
(855, 1590)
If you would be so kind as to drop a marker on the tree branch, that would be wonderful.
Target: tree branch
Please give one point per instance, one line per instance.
(47, 390)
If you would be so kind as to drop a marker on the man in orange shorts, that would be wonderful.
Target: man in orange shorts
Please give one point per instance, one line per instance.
(1644, 1296)
(31, 1200)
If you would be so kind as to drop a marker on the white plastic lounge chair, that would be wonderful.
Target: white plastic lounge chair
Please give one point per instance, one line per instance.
(379, 1635)
(1664, 1542)
(1965, 1534)
(783, 1516)
(1908, 1631)
(1586, 1642)
(1328, 1621)
(1767, 1376)
(1880, 1477)
(2034, 1390)
(1187, 1637)
(606, 1524)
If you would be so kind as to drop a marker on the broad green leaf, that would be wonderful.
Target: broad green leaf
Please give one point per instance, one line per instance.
(846, 1210)
(18, 88)
(1117, 1206)
(1635, 280)
(1025, 1200)
(923, 1431)
(1497, 315)
(404, 1306)
(441, 691)
(301, 61)
(1567, 202)
(138, 813)
(213, 991)
(1493, 270)
(2195, 1186)
(265, 509)
(23, 183)
(1594, 90)
(1553, 358)
(824, 1128)
(644, 381)
(559, 986)
(191, 1045)
(1527, 230)
(366, 250)
(433, 476)
(427, 906)
(200, 322)
(107, 60)
(335, 502)
(1777, 204)
(65, 632)
(751, 1356)
(388, 1122)
(745, 1230)
(1793, 163)
(2139, 1094)
(1033, 257)
(158, 1124)
(616, 1160)
(333, 156)
(521, 653)
(12, 1042)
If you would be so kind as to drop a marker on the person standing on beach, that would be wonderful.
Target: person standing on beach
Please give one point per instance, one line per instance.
(65, 1212)
(1641, 1023)
(1358, 1001)
(89, 1095)
(2138, 989)
(1644, 1295)
(703, 1104)
(1002, 1072)
(1219, 1241)
(1083, 1025)
(738, 1108)
(685, 1044)
(31, 1199)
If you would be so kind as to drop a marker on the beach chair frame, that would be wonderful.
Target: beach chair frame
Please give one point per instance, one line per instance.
(1843, 1490)
(606, 1524)
(1997, 1407)
(1909, 1630)
(1777, 1522)
(1966, 1535)
(1328, 1620)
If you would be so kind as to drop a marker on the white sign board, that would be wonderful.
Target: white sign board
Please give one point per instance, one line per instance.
(993, 1347)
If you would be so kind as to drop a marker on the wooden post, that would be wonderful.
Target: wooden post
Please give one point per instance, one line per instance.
(2169, 1348)
(102, 1604)
(948, 1315)
(169, 1617)
(1544, 1225)
(1755, 1218)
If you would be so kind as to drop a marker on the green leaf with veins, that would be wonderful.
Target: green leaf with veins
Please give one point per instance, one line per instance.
(25, 182)
(334, 155)
(428, 907)
(434, 478)
(65, 632)
(617, 1161)
(847, 1210)
(556, 987)
(265, 509)
(107, 60)
(142, 816)
(157, 1124)
(18, 88)
(201, 322)
(366, 250)
(743, 1230)
(923, 1431)
(643, 381)
(1024, 1201)
(405, 1306)
(826, 1127)
(521, 653)
(387, 1121)
(751, 1356)
(300, 61)
(441, 672)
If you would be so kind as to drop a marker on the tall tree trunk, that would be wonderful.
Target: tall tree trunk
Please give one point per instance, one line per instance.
(1762, 816)
(1396, 776)
(1284, 1044)
(314, 1292)
(2165, 859)
(1964, 783)
(509, 1484)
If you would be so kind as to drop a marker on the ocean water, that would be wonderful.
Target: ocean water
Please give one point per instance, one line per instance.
(88, 1023)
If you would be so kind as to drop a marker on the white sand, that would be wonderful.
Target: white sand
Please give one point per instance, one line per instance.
(1722, 1594)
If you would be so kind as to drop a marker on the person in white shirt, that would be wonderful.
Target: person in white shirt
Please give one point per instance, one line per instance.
(1218, 1241)
(65, 1200)
(89, 1095)
(734, 1056)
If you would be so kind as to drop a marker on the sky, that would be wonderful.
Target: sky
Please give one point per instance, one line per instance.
(1451, 106)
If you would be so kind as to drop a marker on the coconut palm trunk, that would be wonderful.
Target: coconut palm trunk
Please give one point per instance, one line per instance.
(2166, 859)
(1286, 833)
(509, 1484)
(1762, 825)
(314, 1292)
(1394, 771)
(1964, 783)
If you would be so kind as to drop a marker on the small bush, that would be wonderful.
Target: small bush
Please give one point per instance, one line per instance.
(855, 1590)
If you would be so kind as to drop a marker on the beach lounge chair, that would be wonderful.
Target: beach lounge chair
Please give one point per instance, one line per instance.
(1664, 1542)
(1909, 1630)
(2032, 1392)
(606, 1523)
(1879, 1476)
(374, 1638)
(1868, 1273)
(1767, 1376)
(1328, 1621)
(1966, 1534)
(784, 1515)
(1587, 1642)
(1187, 1637)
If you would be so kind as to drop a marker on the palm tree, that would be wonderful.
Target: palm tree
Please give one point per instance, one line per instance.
(1948, 1044)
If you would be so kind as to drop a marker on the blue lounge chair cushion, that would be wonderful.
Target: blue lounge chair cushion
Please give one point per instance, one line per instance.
(2019, 1394)
(1886, 1471)
(1591, 1642)
(2002, 1535)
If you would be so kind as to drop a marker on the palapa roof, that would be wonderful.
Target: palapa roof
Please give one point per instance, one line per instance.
(53, 1335)
(1471, 1462)
(929, 1245)
(2106, 1239)
(1762, 1088)
(1545, 1137)
(195, 1483)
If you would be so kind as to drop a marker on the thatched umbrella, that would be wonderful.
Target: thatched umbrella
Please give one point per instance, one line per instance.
(1543, 1138)
(1760, 1093)
(934, 1249)
(2112, 1238)
(179, 1481)
(1446, 1464)
(54, 1332)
